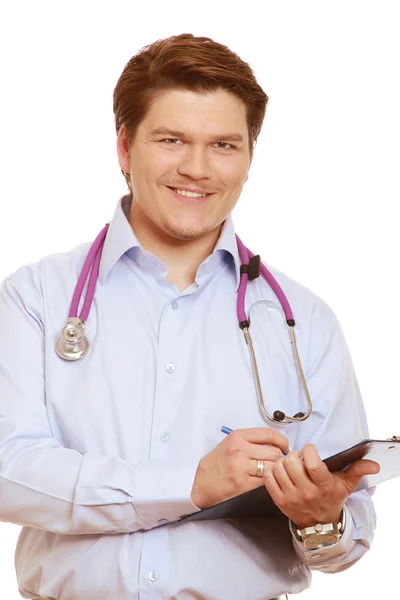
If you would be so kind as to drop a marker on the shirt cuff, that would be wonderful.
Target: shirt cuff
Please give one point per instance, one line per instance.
(162, 491)
(318, 557)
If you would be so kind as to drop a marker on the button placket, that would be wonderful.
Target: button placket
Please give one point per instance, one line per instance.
(166, 385)
(153, 568)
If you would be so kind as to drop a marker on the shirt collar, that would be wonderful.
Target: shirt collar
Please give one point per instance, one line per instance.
(227, 243)
(121, 238)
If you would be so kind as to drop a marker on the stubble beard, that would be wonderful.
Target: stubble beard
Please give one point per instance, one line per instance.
(187, 234)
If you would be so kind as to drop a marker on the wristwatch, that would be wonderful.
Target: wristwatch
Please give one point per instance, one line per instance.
(321, 535)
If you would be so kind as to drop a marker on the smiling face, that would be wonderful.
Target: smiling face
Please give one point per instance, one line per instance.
(187, 141)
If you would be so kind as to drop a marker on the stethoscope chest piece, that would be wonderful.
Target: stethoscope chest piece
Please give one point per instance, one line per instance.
(72, 343)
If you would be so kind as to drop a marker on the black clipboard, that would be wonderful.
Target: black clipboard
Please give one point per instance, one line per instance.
(259, 504)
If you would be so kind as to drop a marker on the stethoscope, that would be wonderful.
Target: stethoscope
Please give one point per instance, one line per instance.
(73, 344)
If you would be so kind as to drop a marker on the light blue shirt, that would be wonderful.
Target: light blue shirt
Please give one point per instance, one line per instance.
(96, 454)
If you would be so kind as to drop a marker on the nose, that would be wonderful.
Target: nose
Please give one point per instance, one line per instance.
(195, 164)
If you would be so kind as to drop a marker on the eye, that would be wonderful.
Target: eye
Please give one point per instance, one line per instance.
(170, 140)
(226, 144)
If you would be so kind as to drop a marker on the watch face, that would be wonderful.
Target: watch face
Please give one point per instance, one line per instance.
(315, 540)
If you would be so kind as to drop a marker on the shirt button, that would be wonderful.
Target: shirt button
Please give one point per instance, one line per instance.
(165, 437)
(174, 304)
(153, 575)
(170, 368)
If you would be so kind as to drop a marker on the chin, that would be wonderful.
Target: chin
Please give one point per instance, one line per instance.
(186, 232)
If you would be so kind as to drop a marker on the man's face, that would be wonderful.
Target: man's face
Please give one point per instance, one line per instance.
(185, 142)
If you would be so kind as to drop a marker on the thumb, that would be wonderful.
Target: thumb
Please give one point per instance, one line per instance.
(356, 471)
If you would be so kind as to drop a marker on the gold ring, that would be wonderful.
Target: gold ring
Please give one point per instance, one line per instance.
(260, 468)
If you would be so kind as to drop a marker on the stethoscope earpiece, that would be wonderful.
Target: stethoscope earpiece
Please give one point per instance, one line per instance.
(250, 269)
(279, 416)
(73, 344)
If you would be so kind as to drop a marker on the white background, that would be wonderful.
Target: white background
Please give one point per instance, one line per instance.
(321, 203)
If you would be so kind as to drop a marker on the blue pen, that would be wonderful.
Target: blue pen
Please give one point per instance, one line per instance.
(226, 430)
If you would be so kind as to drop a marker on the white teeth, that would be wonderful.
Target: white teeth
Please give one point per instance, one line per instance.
(190, 194)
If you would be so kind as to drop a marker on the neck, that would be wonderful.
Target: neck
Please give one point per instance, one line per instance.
(181, 257)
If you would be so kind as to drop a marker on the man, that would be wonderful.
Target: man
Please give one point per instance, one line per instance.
(100, 457)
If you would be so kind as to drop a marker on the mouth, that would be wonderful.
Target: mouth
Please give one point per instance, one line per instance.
(191, 200)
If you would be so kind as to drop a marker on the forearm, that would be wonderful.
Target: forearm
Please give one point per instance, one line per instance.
(45, 486)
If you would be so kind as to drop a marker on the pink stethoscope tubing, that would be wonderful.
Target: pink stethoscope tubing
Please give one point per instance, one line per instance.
(73, 344)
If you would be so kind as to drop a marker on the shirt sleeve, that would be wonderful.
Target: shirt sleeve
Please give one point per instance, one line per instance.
(47, 486)
(355, 541)
(338, 421)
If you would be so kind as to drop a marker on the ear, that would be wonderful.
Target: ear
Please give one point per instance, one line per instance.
(123, 150)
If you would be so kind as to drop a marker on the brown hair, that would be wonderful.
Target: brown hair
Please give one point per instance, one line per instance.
(185, 61)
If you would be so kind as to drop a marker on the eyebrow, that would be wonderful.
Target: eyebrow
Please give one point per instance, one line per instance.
(229, 137)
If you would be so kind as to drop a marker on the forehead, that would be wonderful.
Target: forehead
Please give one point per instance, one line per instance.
(197, 112)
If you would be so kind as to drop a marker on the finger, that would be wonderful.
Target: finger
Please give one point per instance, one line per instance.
(296, 470)
(273, 487)
(264, 435)
(264, 452)
(356, 471)
(282, 477)
(316, 468)
(364, 467)
(252, 465)
(253, 468)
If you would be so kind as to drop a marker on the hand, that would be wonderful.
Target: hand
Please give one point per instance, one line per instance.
(230, 469)
(302, 487)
